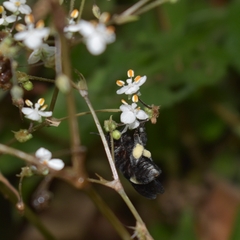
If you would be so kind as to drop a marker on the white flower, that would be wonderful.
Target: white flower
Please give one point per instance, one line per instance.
(131, 114)
(45, 156)
(133, 86)
(31, 37)
(37, 112)
(96, 36)
(17, 6)
(5, 20)
(45, 53)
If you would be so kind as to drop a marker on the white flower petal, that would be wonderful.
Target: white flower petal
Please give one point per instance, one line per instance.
(20, 35)
(34, 57)
(34, 116)
(45, 114)
(25, 9)
(141, 115)
(32, 42)
(122, 90)
(56, 164)
(134, 125)
(131, 90)
(10, 6)
(43, 154)
(26, 110)
(127, 117)
(86, 28)
(96, 45)
(12, 18)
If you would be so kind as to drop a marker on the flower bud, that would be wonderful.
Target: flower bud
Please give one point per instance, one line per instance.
(22, 135)
(116, 135)
(63, 83)
(27, 85)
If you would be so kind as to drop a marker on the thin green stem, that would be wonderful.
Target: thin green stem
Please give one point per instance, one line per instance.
(102, 135)
(134, 8)
(107, 212)
(71, 6)
(40, 79)
(19, 154)
(81, 10)
(150, 6)
(86, 113)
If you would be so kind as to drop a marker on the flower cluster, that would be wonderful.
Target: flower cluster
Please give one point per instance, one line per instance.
(96, 35)
(131, 113)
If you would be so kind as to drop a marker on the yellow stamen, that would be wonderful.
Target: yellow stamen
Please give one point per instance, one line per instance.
(74, 13)
(120, 83)
(40, 24)
(41, 101)
(135, 98)
(17, 4)
(43, 107)
(137, 78)
(105, 16)
(130, 73)
(124, 102)
(28, 103)
(29, 19)
(111, 29)
(1, 9)
(20, 27)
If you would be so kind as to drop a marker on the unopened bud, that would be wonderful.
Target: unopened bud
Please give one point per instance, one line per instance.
(116, 135)
(16, 92)
(22, 135)
(63, 83)
(96, 11)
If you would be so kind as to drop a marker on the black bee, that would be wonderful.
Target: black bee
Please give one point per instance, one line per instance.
(136, 164)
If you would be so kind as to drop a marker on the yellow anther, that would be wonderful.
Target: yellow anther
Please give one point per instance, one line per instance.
(130, 73)
(20, 27)
(1, 9)
(124, 102)
(40, 24)
(135, 98)
(120, 83)
(17, 4)
(28, 103)
(137, 78)
(105, 16)
(111, 29)
(44, 107)
(74, 13)
(41, 101)
(29, 19)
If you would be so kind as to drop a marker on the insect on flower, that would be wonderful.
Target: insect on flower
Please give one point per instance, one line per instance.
(136, 164)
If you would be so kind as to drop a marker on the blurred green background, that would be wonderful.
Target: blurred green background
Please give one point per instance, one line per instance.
(190, 53)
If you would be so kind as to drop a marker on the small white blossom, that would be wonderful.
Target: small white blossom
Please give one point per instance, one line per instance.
(32, 37)
(37, 112)
(45, 157)
(131, 114)
(133, 86)
(45, 53)
(5, 20)
(17, 6)
(72, 25)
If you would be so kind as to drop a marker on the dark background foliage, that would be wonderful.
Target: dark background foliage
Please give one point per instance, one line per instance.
(190, 54)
